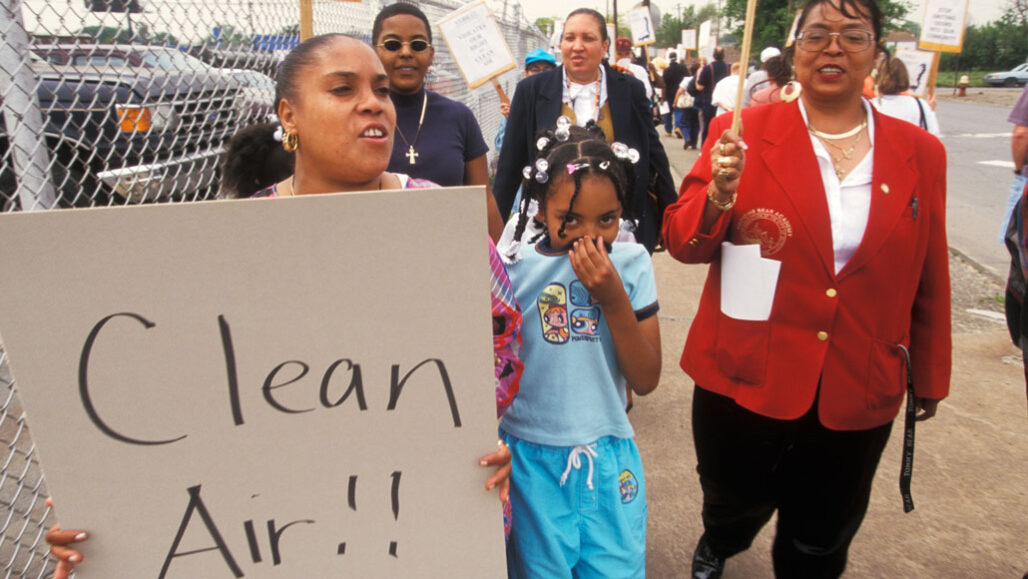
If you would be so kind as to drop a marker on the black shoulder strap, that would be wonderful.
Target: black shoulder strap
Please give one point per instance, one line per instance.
(920, 107)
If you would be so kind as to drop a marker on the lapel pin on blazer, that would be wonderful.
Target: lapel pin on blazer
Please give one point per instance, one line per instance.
(885, 188)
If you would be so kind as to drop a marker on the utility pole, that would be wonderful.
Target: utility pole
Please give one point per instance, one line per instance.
(615, 21)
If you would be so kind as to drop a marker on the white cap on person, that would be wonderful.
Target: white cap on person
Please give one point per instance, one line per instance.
(768, 53)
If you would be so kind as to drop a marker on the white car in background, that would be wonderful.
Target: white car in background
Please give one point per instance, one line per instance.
(257, 98)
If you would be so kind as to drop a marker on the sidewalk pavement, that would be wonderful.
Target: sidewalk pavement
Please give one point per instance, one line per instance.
(970, 484)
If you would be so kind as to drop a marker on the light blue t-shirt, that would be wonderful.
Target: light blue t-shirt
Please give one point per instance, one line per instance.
(572, 390)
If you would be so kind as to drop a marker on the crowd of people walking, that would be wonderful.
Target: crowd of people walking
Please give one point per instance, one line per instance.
(791, 408)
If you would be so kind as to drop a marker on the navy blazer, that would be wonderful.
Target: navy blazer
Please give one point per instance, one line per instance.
(536, 107)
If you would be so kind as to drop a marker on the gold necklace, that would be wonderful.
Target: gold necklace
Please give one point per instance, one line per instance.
(411, 154)
(838, 136)
(846, 153)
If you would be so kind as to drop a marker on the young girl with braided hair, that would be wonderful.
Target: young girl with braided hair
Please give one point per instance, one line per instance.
(589, 326)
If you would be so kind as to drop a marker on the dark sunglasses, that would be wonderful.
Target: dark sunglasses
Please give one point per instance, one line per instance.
(393, 45)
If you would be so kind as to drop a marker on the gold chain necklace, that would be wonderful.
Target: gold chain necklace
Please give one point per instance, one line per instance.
(411, 154)
(847, 153)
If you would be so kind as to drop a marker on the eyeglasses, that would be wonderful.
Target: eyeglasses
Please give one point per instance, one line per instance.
(393, 45)
(850, 40)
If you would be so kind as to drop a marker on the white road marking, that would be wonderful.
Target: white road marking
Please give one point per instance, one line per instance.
(994, 316)
(1004, 164)
(981, 135)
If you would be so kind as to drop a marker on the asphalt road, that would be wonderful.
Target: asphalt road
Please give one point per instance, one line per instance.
(977, 140)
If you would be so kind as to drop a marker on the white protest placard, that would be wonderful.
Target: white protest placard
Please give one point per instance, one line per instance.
(689, 38)
(942, 27)
(476, 43)
(611, 49)
(270, 388)
(558, 35)
(919, 69)
(642, 26)
(704, 39)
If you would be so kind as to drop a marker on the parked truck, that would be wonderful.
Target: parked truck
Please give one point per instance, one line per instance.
(128, 124)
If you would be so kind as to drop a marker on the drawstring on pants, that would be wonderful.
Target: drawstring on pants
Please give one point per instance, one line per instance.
(575, 461)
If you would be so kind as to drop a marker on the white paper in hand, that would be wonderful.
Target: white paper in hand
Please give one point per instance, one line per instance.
(748, 282)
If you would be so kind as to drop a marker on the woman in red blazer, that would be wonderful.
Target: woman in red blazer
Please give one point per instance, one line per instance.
(792, 413)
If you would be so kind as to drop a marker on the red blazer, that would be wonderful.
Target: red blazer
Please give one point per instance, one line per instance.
(842, 331)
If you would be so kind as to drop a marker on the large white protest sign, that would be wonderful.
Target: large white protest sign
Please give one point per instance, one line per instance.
(689, 38)
(296, 387)
(476, 43)
(642, 26)
(704, 39)
(919, 69)
(942, 28)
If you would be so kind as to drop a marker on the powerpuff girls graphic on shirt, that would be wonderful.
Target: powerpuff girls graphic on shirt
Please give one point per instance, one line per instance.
(557, 326)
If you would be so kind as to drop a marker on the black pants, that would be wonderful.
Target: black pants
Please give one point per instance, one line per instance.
(709, 112)
(818, 479)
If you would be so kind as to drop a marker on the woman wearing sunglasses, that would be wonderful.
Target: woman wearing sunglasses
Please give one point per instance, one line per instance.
(791, 412)
(436, 138)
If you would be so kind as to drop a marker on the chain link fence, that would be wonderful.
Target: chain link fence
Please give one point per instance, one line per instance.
(113, 102)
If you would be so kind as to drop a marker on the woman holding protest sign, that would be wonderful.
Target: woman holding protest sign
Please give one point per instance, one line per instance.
(583, 88)
(794, 404)
(436, 138)
(337, 119)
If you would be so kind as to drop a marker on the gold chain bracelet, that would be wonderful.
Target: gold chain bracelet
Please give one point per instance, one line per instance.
(721, 205)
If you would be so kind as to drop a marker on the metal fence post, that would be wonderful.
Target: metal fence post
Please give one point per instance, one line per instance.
(22, 116)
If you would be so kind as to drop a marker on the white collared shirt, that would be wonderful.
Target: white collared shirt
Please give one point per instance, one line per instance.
(582, 97)
(849, 201)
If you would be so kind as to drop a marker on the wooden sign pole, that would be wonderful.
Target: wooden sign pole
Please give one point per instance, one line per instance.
(306, 19)
(744, 59)
(504, 99)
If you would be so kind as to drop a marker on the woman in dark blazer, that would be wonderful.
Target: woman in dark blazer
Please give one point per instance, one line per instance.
(617, 102)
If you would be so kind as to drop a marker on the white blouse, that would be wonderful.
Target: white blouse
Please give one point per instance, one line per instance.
(849, 201)
(582, 97)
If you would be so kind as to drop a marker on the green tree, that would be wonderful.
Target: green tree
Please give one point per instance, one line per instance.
(544, 24)
(999, 45)
(775, 18)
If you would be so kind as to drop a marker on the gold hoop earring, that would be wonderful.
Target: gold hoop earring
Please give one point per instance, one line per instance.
(290, 141)
(790, 92)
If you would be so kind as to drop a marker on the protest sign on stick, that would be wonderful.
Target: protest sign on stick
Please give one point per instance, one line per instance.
(744, 59)
(476, 43)
(280, 392)
(689, 38)
(611, 50)
(942, 28)
(705, 39)
(919, 65)
(641, 23)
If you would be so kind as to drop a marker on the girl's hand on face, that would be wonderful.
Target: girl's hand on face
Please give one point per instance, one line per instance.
(592, 265)
(501, 478)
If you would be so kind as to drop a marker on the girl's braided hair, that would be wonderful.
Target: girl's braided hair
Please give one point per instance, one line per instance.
(581, 152)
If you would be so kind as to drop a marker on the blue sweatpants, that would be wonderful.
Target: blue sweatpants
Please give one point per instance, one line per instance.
(594, 525)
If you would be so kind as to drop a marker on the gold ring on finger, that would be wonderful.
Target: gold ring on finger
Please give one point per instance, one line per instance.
(724, 162)
(724, 173)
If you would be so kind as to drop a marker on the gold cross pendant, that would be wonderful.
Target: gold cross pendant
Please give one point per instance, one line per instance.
(411, 154)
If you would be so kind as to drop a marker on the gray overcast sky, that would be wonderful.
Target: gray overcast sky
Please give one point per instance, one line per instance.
(980, 11)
